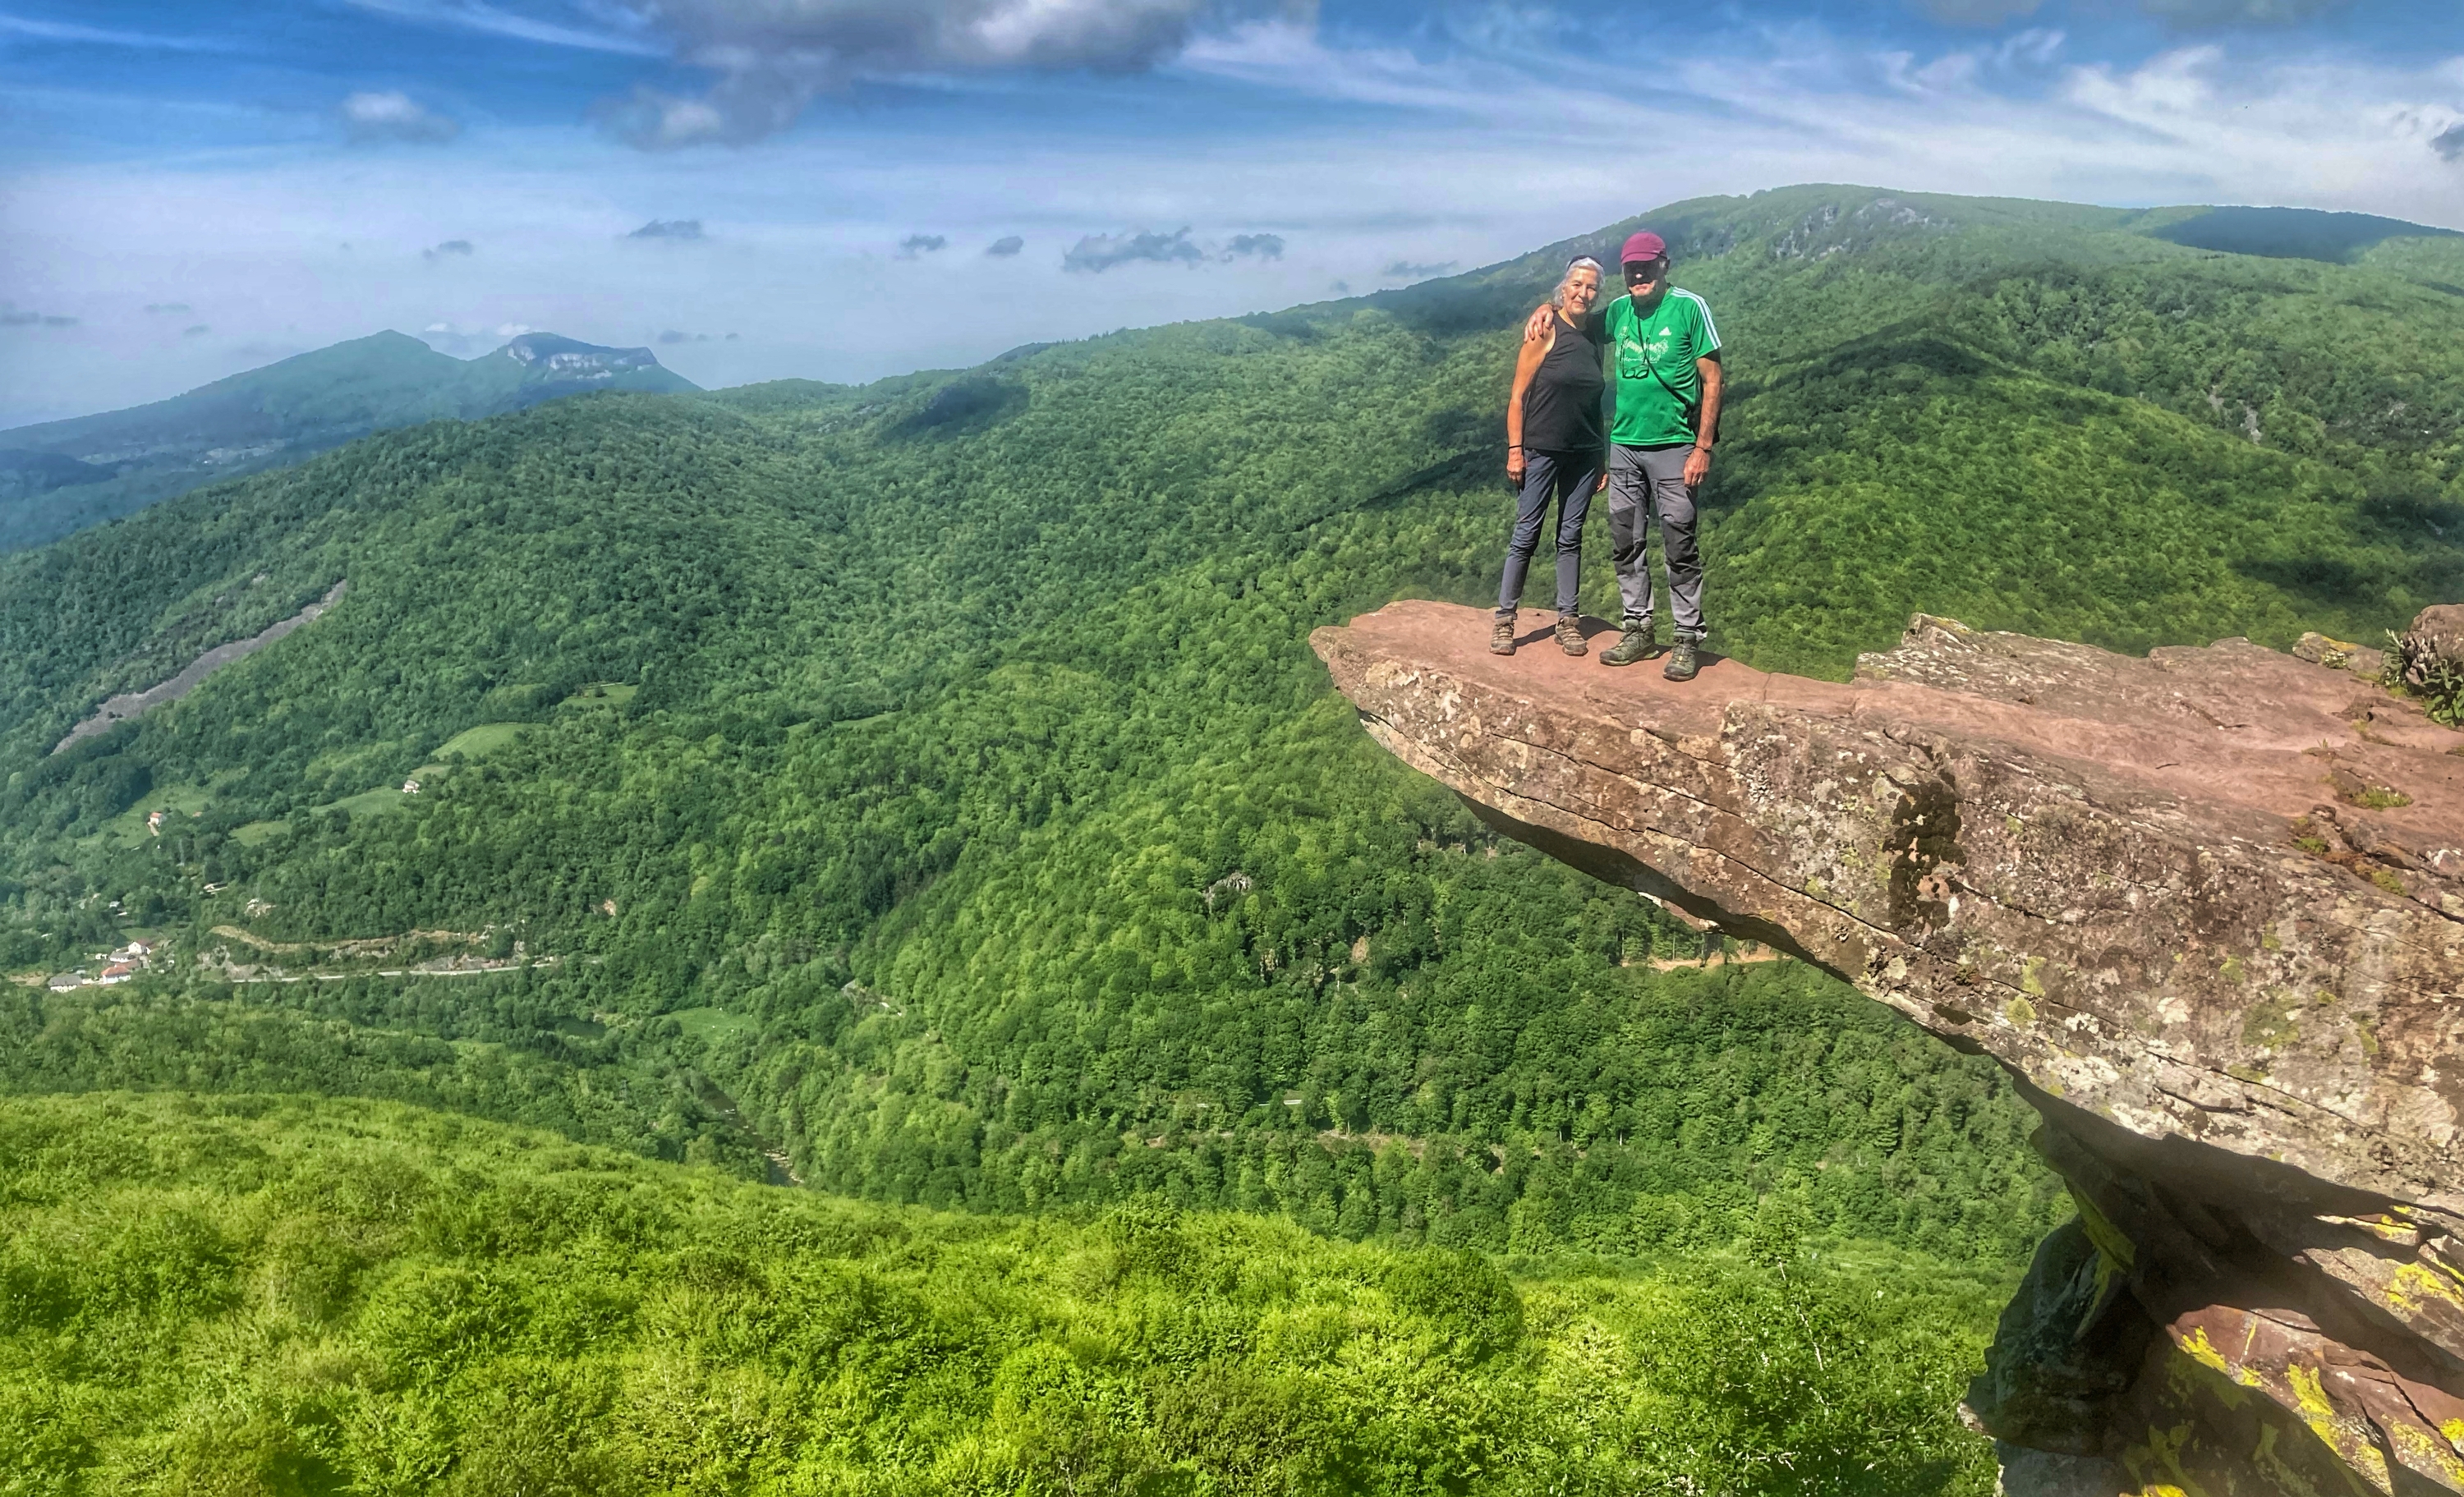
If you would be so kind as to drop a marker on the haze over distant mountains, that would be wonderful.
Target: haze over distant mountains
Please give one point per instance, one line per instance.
(61, 476)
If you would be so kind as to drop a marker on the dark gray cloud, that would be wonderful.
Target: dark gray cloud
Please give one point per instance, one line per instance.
(773, 57)
(2449, 143)
(197, 330)
(391, 116)
(1405, 270)
(11, 317)
(914, 245)
(1002, 248)
(449, 248)
(1098, 252)
(167, 308)
(669, 228)
(1265, 246)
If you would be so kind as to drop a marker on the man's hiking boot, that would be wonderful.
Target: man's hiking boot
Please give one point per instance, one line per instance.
(1570, 634)
(1636, 644)
(1501, 637)
(1682, 664)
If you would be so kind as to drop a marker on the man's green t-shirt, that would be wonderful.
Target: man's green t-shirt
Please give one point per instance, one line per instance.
(1652, 354)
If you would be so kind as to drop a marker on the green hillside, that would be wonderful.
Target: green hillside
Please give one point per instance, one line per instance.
(928, 783)
(61, 476)
(255, 1294)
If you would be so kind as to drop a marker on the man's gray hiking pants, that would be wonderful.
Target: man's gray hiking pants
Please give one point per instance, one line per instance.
(1644, 481)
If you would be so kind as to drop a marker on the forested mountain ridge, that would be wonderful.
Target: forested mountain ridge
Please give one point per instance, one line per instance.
(933, 775)
(61, 476)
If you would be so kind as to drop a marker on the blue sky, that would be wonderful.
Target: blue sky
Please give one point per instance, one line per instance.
(186, 191)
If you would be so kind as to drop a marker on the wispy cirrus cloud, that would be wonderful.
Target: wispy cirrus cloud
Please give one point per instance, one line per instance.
(77, 34)
(622, 35)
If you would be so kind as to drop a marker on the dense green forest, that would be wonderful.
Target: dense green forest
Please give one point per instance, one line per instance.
(255, 1294)
(928, 784)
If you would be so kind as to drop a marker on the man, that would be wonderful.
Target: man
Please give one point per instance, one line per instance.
(1665, 357)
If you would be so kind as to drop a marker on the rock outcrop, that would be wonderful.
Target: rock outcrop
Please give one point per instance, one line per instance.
(2206, 907)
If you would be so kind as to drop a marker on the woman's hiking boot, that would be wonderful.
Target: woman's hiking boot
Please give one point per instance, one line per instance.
(1501, 637)
(1636, 644)
(1682, 664)
(1570, 634)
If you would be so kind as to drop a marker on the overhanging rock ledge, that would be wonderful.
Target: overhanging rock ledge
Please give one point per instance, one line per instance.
(2207, 908)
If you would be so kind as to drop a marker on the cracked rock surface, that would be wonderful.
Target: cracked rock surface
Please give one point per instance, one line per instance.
(2207, 908)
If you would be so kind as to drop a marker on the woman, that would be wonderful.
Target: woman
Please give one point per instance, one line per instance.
(1556, 448)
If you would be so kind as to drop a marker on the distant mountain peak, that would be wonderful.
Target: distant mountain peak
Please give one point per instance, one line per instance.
(561, 357)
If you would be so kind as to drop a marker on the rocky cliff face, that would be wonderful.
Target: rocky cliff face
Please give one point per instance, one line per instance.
(2207, 908)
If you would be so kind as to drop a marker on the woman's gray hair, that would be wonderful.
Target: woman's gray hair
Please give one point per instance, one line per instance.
(1580, 262)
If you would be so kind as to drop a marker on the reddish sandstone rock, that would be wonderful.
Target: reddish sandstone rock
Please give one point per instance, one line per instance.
(2208, 907)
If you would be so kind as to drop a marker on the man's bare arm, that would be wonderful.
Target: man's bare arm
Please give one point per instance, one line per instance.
(1706, 430)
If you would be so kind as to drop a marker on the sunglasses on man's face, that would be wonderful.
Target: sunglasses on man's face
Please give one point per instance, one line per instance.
(1642, 272)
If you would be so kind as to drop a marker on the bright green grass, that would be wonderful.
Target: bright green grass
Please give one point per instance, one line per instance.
(275, 1294)
(127, 830)
(369, 803)
(710, 1026)
(603, 693)
(479, 743)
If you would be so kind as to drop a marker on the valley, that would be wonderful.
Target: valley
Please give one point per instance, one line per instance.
(927, 788)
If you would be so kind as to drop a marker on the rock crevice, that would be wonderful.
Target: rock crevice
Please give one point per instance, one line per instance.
(2207, 908)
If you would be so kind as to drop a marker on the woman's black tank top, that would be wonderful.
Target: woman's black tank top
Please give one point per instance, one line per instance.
(1561, 407)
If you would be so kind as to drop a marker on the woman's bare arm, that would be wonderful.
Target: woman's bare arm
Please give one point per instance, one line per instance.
(1526, 363)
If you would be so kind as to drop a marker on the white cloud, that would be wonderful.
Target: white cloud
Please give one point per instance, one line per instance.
(393, 115)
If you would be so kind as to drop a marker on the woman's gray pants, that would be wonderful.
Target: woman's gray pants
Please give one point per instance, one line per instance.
(1643, 480)
(1569, 479)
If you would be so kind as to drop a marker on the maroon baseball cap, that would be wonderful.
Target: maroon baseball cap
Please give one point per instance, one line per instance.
(1642, 248)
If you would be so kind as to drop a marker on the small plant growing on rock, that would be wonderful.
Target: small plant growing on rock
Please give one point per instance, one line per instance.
(2417, 667)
